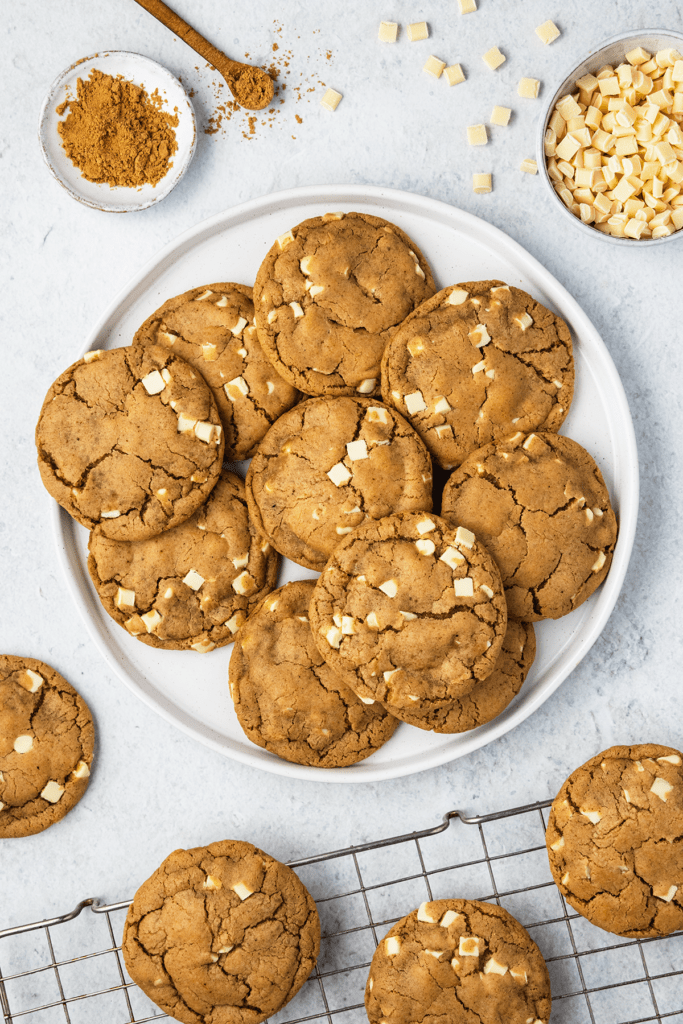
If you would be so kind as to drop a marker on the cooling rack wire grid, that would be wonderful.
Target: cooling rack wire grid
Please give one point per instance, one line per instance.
(70, 968)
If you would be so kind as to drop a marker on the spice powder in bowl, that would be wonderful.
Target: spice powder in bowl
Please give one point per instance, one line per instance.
(117, 130)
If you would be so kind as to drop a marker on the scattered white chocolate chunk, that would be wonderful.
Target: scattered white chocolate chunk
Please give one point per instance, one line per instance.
(529, 166)
(408, 616)
(367, 386)
(448, 918)
(493, 58)
(457, 296)
(186, 424)
(357, 450)
(212, 882)
(423, 914)
(415, 402)
(81, 771)
(493, 967)
(500, 116)
(389, 587)
(558, 844)
(670, 759)
(339, 474)
(523, 321)
(593, 816)
(206, 432)
(242, 890)
(454, 74)
(204, 295)
(469, 945)
(479, 336)
(348, 626)
(112, 513)
(418, 30)
(153, 383)
(486, 590)
(376, 414)
(548, 32)
(334, 636)
(434, 66)
(31, 681)
(239, 327)
(664, 892)
(296, 310)
(331, 99)
(528, 88)
(452, 558)
(425, 526)
(244, 584)
(464, 537)
(390, 673)
(52, 791)
(388, 31)
(23, 744)
(151, 620)
(93, 355)
(519, 975)
(464, 587)
(425, 547)
(477, 135)
(392, 946)
(661, 788)
(193, 579)
(124, 598)
(467, 6)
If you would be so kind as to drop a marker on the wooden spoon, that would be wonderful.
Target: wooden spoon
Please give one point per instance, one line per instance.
(252, 87)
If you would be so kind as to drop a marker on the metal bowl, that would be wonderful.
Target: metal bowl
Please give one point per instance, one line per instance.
(612, 51)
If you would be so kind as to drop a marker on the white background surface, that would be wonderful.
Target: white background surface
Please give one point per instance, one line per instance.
(153, 788)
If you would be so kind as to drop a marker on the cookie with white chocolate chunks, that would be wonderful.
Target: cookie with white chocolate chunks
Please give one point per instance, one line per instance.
(615, 840)
(129, 441)
(475, 363)
(540, 505)
(192, 586)
(329, 295)
(213, 329)
(222, 932)
(46, 746)
(412, 611)
(461, 961)
(329, 465)
(490, 697)
(289, 700)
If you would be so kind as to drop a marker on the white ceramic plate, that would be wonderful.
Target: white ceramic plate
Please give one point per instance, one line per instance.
(191, 690)
(142, 71)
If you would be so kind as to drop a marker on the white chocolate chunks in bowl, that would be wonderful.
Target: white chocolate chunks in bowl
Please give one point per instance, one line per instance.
(459, 961)
(614, 147)
(194, 586)
(329, 465)
(615, 840)
(540, 505)
(213, 329)
(476, 363)
(329, 295)
(411, 611)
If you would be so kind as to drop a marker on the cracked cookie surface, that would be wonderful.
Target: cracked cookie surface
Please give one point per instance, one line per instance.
(475, 363)
(460, 961)
(329, 465)
(192, 586)
(615, 840)
(130, 441)
(213, 329)
(289, 700)
(329, 295)
(221, 933)
(540, 505)
(412, 611)
(46, 746)
(489, 698)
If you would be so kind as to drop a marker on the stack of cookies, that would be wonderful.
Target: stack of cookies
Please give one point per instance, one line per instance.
(344, 378)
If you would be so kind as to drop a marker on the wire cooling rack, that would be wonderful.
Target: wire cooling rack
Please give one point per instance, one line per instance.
(75, 970)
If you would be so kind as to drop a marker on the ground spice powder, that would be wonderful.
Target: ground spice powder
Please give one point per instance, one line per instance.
(116, 134)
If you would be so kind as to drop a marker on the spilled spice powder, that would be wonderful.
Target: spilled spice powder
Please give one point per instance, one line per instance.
(116, 134)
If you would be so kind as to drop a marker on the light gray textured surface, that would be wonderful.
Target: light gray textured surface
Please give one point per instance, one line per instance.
(154, 789)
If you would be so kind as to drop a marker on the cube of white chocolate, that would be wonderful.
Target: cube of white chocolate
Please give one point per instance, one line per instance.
(529, 166)
(477, 135)
(52, 791)
(125, 598)
(415, 402)
(434, 66)
(528, 88)
(467, 6)
(31, 681)
(493, 58)
(357, 450)
(661, 788)
(389, 587)
(193, 579)
(392, 946)
(481, 183)
(464, 537)
(339, 474)
(203, 646)
(469, 945)
(424, 915)
(418, 30)
(388, 31)
(454, 74)
(425, 546)
(331, 99)
(548, 32)
(500, 116)
(367, 386)
(204, 431)
(153, 383)
(464, 587)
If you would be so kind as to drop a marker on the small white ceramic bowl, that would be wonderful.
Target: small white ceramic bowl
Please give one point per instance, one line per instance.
(142, 71)
(612, 51)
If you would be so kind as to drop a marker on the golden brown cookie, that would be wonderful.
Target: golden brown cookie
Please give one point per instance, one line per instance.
(329, 295)
(192, 586)
(221, 933)
(288, 699)
(475, 363)
(615, 840)
(46, 746)
(412, 611)
(541, 507)
(130, 441)
(489, 698)
(329, 465)
(213, 329)
(461, 962)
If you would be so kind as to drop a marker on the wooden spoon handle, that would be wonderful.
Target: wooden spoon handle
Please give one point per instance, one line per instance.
(189, 35)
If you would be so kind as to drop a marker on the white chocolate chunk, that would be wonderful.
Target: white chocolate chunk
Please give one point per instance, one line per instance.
(32, 681)
(388, 31)
(186, 424)
(415, 402)
(443, 430)
(486, 590)
(205, 431)
(272, 315)
(151, 620)
(408, 616)
(348, 626)
(81, 771)
(315, 289)
(241, 562)
(528, 88)
(441, 405)
(242, 890)
(339, 474)
(469, 945)
(452, 558)
(110, 514)
(464, 587)
(296, 309)
(239, 327)
(493, 967)
(193, 579)
(425, 526)
(168, 593)
(366, 700)
(153, 383)
(23, 744)
(479, 336)
(593, 816)
(493, 58)
(418, 30)
(523, 321)
(467, 6)
(423, 914)
(519, 975)
(664, 892)
(434, 66)
(454, 74)
(204, 295)
(367, 386)
(661, 788)
(212, 882)
(500, 116)
(209, 352)
(222, 302)
(343, 530)
(93, 355)
(389, 587)
(456, 297)
(331, 99)
(434, 952)
(376, 414)
(425, 547)
(599, 562)
(244, 584)
(478, 367)
(477, 135)
(235, 622)
(481, 183)
(670, 759)
(548, 32)
(284, 240)
(372, 620)
(357, 450)
(125, 598)
(464, 537)
(529, 166)
(333, 637)
(448, 918)
(52, 792)
(392, 946)
(236, 388)
(558, 844)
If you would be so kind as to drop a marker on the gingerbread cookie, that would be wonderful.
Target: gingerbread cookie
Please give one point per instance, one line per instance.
(460, 961)
(475, 363)
(289, 700)
(221, 933)
(329, 465)
(489, 698)
(541, 507)
(329, 295)
(412, 611)
(46, 746)
(615, 840)
(213, 329)
(192, 586)
(130, 441)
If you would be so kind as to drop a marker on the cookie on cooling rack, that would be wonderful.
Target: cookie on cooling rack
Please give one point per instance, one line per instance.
(475, 363)
(539, 504)
(192, 586)
(329, 465)
(129, 441)
(46, 746)
(289, 700)
(329, 295)
(615, 840)
(221, 933)
(213, 329)
(459, 961)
